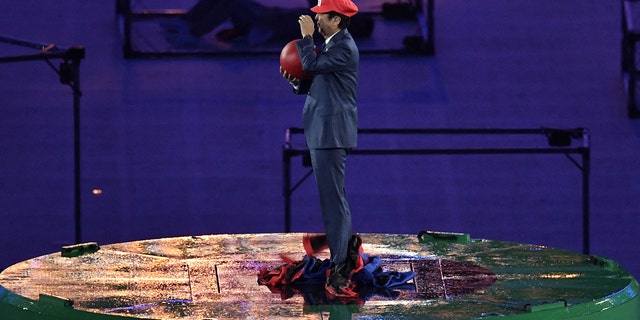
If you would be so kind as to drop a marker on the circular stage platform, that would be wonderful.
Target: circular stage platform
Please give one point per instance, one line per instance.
(215, 277)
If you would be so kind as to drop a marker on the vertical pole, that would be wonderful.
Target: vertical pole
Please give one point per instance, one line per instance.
(70, 74)
(286, 192)
(624, 50)
(631, 79)
(286, 183)
(431, 25)
(586, 171)
(630, 37)
(126, 26)
(76, 150)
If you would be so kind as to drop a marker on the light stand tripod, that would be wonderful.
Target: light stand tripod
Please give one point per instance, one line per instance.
(69, 73)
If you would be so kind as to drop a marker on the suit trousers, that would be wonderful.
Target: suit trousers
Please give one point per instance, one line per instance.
(329, 170)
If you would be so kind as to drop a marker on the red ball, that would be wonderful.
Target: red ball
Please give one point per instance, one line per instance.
(290, 61)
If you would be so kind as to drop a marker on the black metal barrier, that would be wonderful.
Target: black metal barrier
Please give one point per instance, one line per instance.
(559, 141)
(69, 73)
(424, 43)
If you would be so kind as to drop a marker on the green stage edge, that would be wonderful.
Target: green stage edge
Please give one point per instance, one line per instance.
(532, 282)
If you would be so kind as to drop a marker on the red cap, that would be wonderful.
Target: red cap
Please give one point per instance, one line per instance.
(346, 7)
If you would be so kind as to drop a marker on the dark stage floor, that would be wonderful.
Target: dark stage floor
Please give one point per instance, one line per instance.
(188, 146)
(453, 277)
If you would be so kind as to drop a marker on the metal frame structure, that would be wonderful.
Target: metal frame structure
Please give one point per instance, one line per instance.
(69, 73)
(630, 71)
(559, 140)
(423, 44)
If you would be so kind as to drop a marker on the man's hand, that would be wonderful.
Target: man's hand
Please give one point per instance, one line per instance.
(307, 26)
(290, 78)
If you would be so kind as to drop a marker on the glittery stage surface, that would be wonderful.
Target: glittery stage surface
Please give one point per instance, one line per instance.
(215, 277)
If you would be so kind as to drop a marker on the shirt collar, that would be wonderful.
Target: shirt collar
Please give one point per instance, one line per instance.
(326, 41)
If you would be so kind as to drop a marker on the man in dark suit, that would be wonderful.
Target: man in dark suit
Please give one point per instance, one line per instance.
(330, 118)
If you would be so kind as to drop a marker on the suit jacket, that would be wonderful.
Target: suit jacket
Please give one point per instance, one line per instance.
(330, 114)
